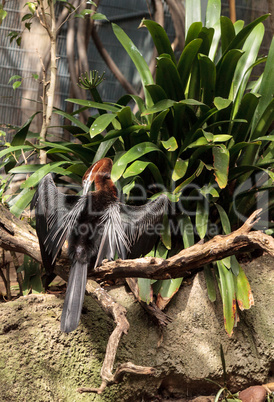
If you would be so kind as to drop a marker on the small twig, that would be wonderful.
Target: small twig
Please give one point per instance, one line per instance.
(121, 370)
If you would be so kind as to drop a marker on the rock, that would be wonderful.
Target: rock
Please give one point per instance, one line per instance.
(39, 362)
(253, 394)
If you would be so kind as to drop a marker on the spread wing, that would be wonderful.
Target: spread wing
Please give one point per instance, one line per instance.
(55, 212)
(143, 225)
(130, 231)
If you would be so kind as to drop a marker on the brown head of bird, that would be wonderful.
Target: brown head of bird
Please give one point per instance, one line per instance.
(99, 173)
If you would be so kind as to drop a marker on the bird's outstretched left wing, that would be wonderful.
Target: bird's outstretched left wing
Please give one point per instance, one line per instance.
(143, 225)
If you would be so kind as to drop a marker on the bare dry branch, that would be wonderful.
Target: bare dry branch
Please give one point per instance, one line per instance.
(18, 236)
(177, 13)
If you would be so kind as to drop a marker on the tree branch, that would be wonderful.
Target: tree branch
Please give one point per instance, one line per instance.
(18, 236)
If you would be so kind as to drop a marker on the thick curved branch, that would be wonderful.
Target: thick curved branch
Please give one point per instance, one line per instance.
(193, 257)
(18, 236)
(110, 63)
(177, 13)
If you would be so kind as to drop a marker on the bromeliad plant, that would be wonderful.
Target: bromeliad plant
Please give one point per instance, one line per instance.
(201, 136)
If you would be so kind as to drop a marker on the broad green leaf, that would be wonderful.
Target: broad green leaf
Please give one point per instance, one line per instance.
(210, 283)
(213, 12)
(25, 169)
(161, 251)
(95, 105)
(168, 78)
(221, 137)
(243, 291)
(228, 296)
(193, 13)
(137, 167)
(187, 231)
(225, 72)
(180, 169)
(98, 16)
(167, 290)
(198, 143)
(266, 138)
(101, 123)
(201, 218)
(194, 85)
(103, 149)
(16, 84)
(186, 60)
(73, 119)
(240, 38)
(128, 187)
(221, 164)
(264, 122)
(235, 266)
(224, 219)
(35, 178)
(166, 234)
(10, 149)
(159, 106)
(221, 103)
(238, 26)
(215, 40)
(170, 144)
(227, 32)
(125, 117)
(266, 89)
(206, 34)
(134, 153)
(157, 93)
(193, 32)
(137, 59)
(246, 111)
(21, 201)
(157, 124)
(145, 290)
(208, 78)
(197, 173)
(22, 133)
(242, 73)
(160, 38)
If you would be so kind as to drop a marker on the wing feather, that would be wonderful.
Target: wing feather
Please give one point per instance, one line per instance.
(141, 225)
(51, 211)
(130, 231)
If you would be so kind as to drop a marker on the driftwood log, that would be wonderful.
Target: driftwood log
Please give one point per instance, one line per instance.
(18, 236)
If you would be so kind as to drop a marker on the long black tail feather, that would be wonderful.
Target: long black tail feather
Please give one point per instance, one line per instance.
(74, 297)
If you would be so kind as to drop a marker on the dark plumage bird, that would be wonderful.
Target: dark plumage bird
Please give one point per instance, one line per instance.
(97, 226)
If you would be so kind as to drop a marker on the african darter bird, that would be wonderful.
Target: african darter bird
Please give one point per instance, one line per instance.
(96, 225)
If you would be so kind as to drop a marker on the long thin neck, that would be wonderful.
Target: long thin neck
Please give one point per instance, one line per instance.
(102, 178)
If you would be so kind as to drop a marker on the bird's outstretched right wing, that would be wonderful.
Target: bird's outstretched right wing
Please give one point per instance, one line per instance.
(53, 212)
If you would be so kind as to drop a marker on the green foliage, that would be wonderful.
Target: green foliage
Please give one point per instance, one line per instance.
(200, 136)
